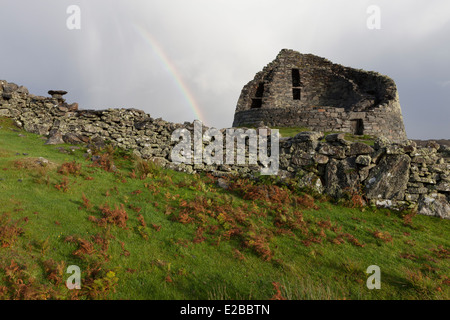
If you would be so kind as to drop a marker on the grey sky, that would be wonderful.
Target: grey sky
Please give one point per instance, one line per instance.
(164, 56)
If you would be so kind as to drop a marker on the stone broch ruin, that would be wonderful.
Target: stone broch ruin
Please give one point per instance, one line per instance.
(303, 90)
(395, 172)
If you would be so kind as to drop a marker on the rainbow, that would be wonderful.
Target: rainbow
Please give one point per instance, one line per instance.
(171, 69)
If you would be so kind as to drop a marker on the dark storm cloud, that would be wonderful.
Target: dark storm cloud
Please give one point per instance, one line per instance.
(211, 48)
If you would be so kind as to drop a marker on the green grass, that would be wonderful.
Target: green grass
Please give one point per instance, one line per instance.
(367, 139)
(287, 132)
(198, 241)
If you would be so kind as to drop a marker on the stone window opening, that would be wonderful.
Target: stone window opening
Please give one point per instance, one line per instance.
(296, 78)
(296, 83)
(260, 91)
(257, 101)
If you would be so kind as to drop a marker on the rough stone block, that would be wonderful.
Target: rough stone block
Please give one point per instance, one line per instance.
(388, 180)
(341, 176)
(358, 148)
(363, 160)
(435, 204)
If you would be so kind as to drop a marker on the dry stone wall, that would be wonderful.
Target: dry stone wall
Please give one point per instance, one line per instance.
(395, 175)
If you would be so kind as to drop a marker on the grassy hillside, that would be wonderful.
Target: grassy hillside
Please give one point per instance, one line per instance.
(140, 232)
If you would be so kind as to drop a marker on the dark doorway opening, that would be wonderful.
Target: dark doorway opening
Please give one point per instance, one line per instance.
(357, 127)
(296, 92)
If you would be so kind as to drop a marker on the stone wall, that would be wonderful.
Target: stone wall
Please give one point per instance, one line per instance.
(396, 175)
(304, 90)
(375, 122)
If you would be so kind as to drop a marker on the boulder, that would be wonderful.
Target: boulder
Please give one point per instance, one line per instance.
(433, 144)
(337, 138)
(306, 141)
(358, 148)
(91, 128)
(147, 152)
(320, 158)
(5, 113)
(57, 94)
(443, 186)
(363, 160)
(38, 128)
(311, 181)
(436, 205)
(22, 90)
(364, 170)
(159, 161)
(309, 136)
(285, 175)
(389, 179)
(444, 151)
(409, 146)
(97, 143)
(55, 138)
(222, 183)
(73, 138)
(395, 149)
(10, 87)
(72, 107)
(141, 125)
(341, 176)
(301, 158)
(377, 155)
(337, 152)
(381, 142)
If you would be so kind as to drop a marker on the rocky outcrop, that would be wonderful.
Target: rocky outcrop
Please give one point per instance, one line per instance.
(395, 175)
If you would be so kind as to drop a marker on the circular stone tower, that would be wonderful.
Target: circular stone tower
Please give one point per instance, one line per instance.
(304, 90)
